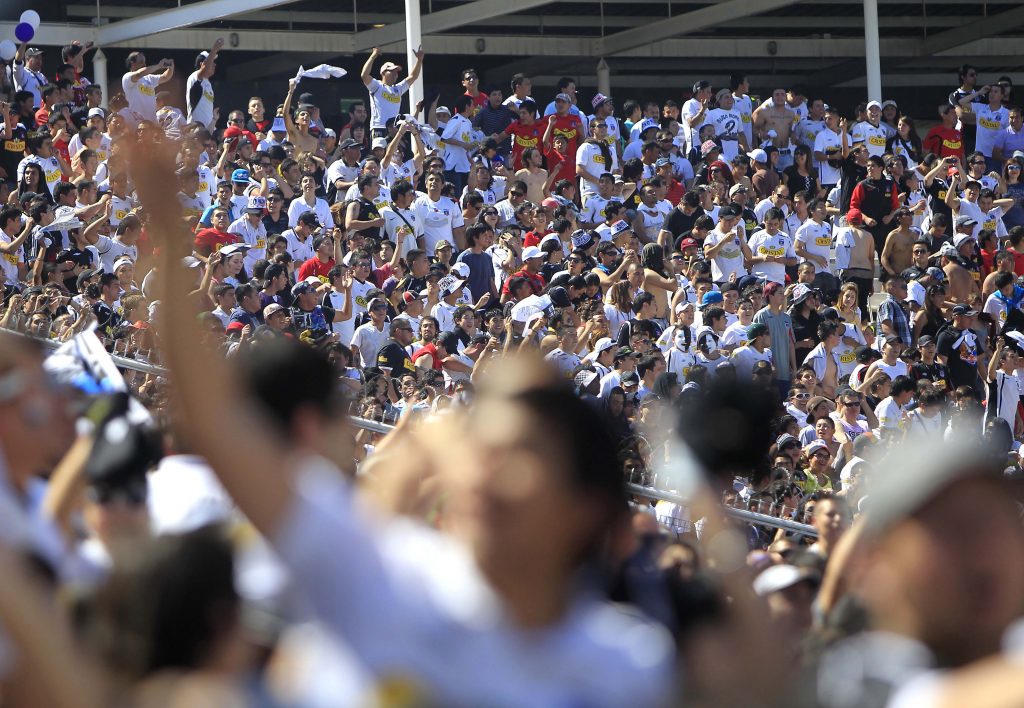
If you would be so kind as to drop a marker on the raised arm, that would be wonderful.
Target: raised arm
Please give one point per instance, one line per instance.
(368, 66)
(289, 124)
(206, 70)
(205, 385)
(416, 68)
(393, 145)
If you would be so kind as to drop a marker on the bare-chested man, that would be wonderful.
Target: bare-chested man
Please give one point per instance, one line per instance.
(961, 285)
(855, 257)
(776, 116)
(298, 127)
(898, 251)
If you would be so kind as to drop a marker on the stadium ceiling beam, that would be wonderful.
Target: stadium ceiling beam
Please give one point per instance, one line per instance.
(442, 20)
(979, 29)
(177, 18)
(683, 24)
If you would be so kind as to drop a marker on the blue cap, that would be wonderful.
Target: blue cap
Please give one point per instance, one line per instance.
(278, 126)
(240, 176)
(711, 298)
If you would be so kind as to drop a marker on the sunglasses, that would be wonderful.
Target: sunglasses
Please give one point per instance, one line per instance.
(802, 396)
(977, 162)
(516, 194)
(363, 264)
(1013, 167)
(850, 404)
(822, 455)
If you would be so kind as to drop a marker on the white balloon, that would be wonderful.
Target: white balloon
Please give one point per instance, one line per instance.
(31, 17)
(7, 49)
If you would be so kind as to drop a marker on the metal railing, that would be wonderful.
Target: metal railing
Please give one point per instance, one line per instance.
(745, 515)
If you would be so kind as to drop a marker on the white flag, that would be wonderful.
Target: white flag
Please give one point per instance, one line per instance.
(324, 71)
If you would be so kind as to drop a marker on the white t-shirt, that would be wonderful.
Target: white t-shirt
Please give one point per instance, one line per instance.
(848, 353)
(874, 138)
(654, 217)
(385, 101)
(828, 142)
(437, 220)
(690, 109)
(817, 239)
(398, 171)
(102, 152)
(593, 209)
(990, 220)
(727, 260)
(743, 106)
(806, 131)
(735, 335)
(898, 369)
(1007, 395)
(369, 339)
(300, 251)
(745, 358)
(995, 308)
(253, 236)
(456, 158)
(889, 414)
(9, 261)
(728, 126)
(762, 207)
(779, 245)
(50, 167)
(395, 225)
(989, 126)
(320, 207)
(141, 96)
(119, 209)
(110, 249)
(589, 157)
(203, 112)
(339, 170)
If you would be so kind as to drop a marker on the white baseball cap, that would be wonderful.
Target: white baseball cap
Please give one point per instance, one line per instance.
(532, 252)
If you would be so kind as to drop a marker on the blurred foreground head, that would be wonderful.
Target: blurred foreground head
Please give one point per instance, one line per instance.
(943, 548)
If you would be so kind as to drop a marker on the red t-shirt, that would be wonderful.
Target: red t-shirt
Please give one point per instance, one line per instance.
(211, 240)
(314, 266)
(431, 351)
(479, 100)
(571, 128)
(523, 137)
(532, 238)
(1018, 261)
(675, 192)
(536, 281)
(61, 146)
(944, 142)
(568, 168)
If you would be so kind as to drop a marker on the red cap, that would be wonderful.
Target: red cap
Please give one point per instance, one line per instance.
(771, 288)
(688, 243)
(139, 324)
(719, 165)
(855, 216)
(235, 326)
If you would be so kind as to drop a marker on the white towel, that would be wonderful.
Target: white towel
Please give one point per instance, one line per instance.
(324, 71)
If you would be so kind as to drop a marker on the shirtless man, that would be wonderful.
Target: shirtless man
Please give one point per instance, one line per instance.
(298, 128)
(649, 217)
(897, 253)
(778, 117)
(1004, 264)
(961, 287)
(855, 257)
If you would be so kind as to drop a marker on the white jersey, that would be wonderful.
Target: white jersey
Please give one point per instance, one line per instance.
(120, 207)
(203, 110)
(874, 139)
(735, 335)
(27, 80)
(728, 126)
(141, 96)
(398, 171)
(728, 260)
(401, 221)
(817, 240)
(689, 110)
(990, 123)
(743, 106)
(456, 158)
(654, 217)
(300, 251)
(593, 210)
(779, 245)
(339, 170)
(385, 101)
(990, 220)
(830, 143)
(589, 158)
(9, 261)
(437, 220)
(50, 167)
(300, 206)
(110, 249)
(253, 236)
(614, 136)
(806, 131)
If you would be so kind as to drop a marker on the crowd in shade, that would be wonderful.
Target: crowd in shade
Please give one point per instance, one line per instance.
(496, 400)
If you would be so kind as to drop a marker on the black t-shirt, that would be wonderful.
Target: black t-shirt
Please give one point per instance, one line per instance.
(852, 173)
(969, 131)
(937, 201)
(750, 223)
(393, 355)
(12, 151)
(276, 227)
(934, 372)
(800, 183)
(679, 223)
(318, 320)
(805, 328)
(961, 354)
(107, 320)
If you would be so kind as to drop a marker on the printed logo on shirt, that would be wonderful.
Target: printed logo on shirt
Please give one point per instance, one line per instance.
(952, 144)
(527, 142)
(877, 140)
(823, 241)
(14, 145)
(848, 357)
(146, 90)
(990, 124)
(119, 214)
(392, 97)
(11, 258)
(775, 252)
(989, 224)
(569, 135)
(54, 176)
(261, 243)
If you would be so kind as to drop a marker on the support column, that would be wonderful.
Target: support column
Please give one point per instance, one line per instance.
(413, 40)
(99, 73)
(604, 78)
(871, 50)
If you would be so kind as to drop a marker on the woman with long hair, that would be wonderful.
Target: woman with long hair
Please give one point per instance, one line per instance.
(847, 305)
(801, 175)
(906, 143)
(1014, 216)
(929, 319)
(33, 180)
(618, 306)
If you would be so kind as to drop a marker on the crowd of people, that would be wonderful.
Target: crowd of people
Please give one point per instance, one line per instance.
(572, 335)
